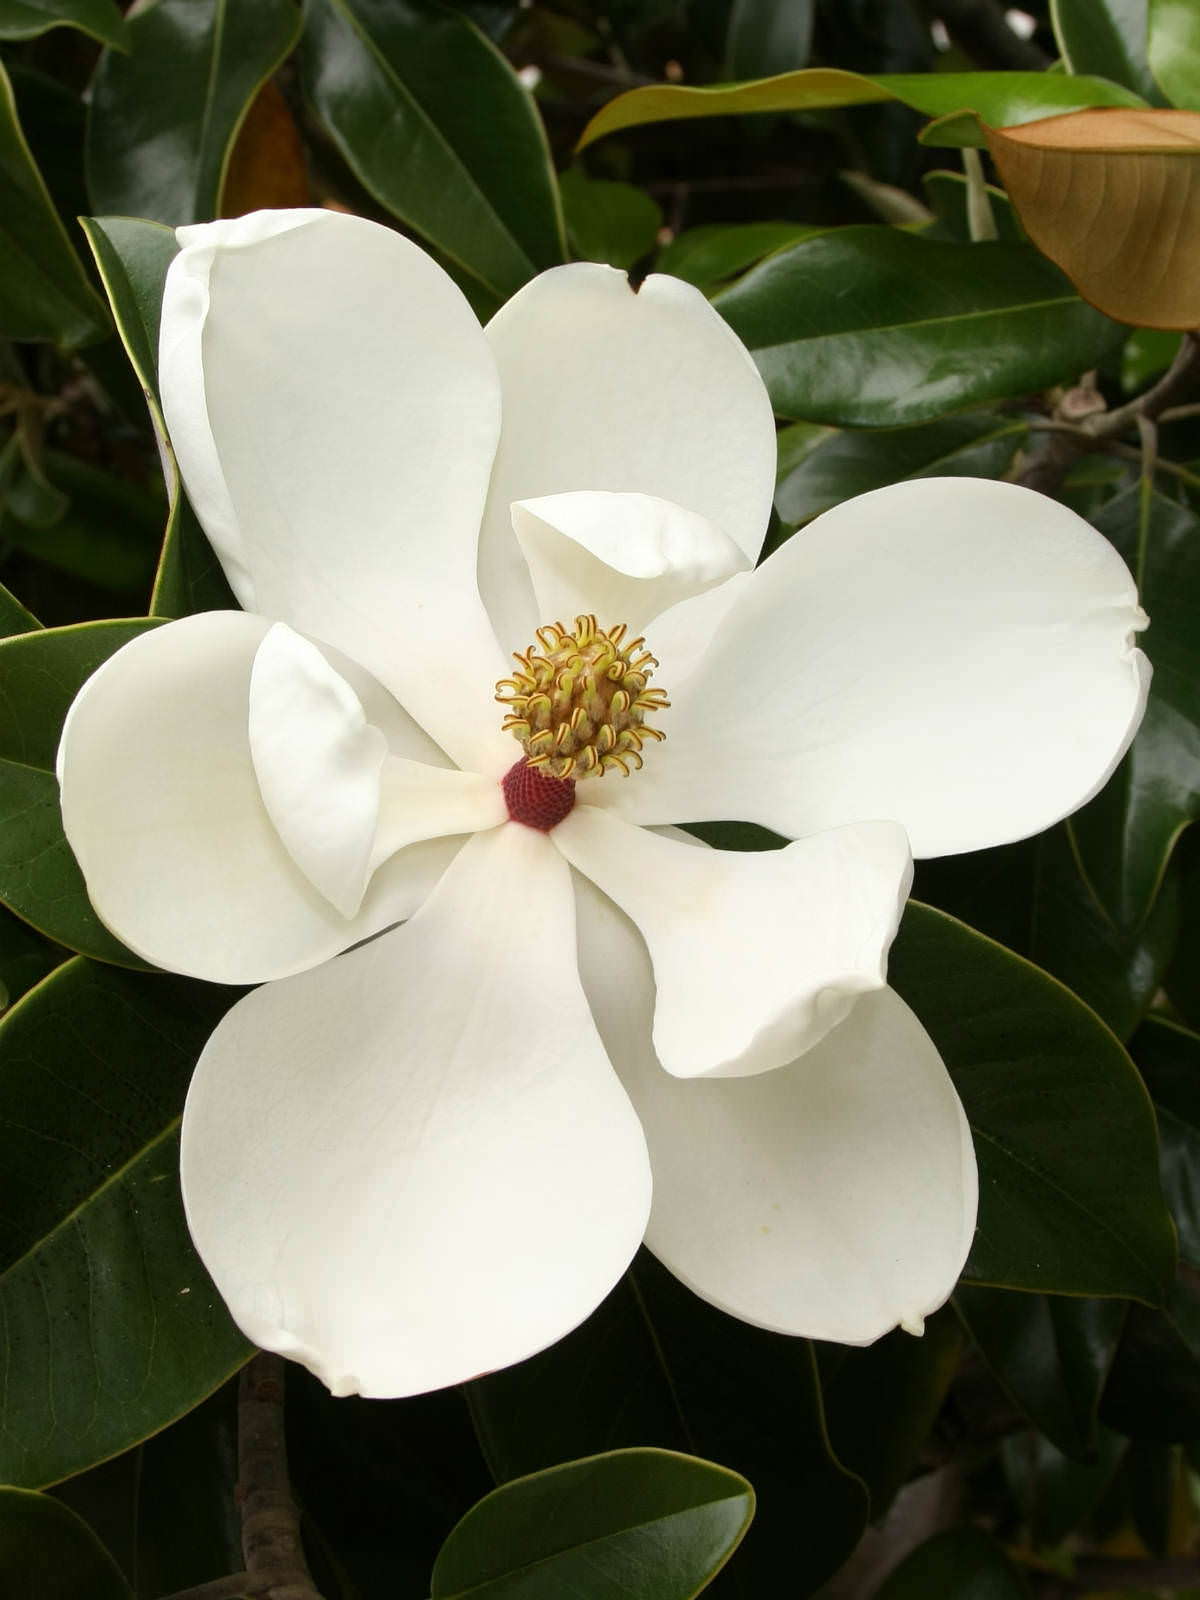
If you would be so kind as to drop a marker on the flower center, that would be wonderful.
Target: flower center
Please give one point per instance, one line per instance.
(577, 704)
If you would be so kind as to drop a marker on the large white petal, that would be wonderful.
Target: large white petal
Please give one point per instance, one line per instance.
(834, 1198)
(623, 557)
(334, 408)
(647, 393)
(756, 955)
(952, 653)
(416, 1164)
(162, 808)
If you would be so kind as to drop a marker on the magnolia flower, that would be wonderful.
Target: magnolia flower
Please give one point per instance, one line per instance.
(431, 1155)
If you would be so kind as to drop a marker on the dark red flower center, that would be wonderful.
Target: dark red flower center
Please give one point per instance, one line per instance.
(535, 799)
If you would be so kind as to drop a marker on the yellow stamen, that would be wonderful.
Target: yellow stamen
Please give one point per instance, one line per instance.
(577, 703)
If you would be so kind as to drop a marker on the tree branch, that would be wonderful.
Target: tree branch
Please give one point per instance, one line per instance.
(271, 1541)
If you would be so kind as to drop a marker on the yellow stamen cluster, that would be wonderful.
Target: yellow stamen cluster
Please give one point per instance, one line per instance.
(577, 703)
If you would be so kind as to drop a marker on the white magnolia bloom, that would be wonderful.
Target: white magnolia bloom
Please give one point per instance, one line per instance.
(432, 1156)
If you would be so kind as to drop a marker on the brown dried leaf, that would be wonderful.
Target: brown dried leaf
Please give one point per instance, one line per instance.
(267, 168)
(1113, 198)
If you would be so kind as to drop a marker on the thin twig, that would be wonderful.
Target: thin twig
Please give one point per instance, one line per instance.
(1073, 437)
(271, 1539)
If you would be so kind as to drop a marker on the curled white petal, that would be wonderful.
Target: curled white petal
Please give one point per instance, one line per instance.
(647, 393)
(756, 955)
(834, 1198)
(623, 557)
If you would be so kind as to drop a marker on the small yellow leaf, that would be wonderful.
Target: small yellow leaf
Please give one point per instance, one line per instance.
(1113, 198)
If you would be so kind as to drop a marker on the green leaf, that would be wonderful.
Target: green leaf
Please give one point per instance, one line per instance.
(1050, 1353)
(631, 1525)
(612, 222)
(1002, 99)
(435, 123)
(44, 293)
(709, 254)
(1168, 1058)
(1147, 352)
(839, 465)
(1106, 38)
(869, 327)
(133, 258)
(26, 19)
(1153, 1390)
(164, 117)
(1125, 836)
(882, 1402)
(961, 1564)
(768, 36)
(14, 618)
(654, 1365)
(1173, 47)
(114, 1328)
(946, 193)
(1069, 1196)
(48, 1553)
(40, 674)
(1055, 1494)
(25, 959)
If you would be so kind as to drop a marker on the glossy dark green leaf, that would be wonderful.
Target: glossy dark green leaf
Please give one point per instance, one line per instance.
(871, 327)
(1173, 48)
(768, 36)
(1064, 1132)
(25, 958)
(114, 1328)
(438, 127)
(881, 1402)
(961, 1564)
(714, 251)
(1126, 834)
(133, 257)
(612, 222)
(163, 117)
(1147, 352)
(1181, 980)
(1033, 897)
(1106, 38)
(40, 674)
(48, 1553)
(632, 1525)
(1153, 1389)
(133, 1500)
(1168, 1058)
(1050, 1353)
(14, 618)
(44, 293)
(25, 19)
(998, 98)
(832, 469)
(654, 1365)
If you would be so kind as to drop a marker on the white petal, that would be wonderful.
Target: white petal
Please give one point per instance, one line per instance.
(162, 808)
(834, 1198)
(419, 802)
(623, 557)
(334, 408)
(317, 761)
(647, 393)
(416, 1164)
(951, 653)
(756, 955)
